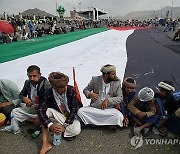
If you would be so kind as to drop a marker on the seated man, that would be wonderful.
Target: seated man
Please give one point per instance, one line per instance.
(174, 121)
(32, 95)
(60, 105)
(104, 92)
(7, 38)
(168, 105)
(128, 89)
(165, 94)
(24, 35)
(143, 110)
(17, 36)
(177, 35)
(1, 39)
(9, 94)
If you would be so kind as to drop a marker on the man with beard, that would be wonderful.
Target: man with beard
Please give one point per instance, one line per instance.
(105, 92)
(32, 95)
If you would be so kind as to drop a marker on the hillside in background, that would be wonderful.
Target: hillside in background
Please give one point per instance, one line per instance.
(36, 12)
(151, 14)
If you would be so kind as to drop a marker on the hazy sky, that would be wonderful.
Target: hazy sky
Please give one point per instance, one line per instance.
(114, 7)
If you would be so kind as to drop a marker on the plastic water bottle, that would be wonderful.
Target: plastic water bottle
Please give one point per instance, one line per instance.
(15, 126)
(57, 137)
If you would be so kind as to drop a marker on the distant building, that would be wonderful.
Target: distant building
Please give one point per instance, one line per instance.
(90, 14)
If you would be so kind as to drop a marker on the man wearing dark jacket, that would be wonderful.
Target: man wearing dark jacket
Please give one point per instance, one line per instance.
(168, 105)
(32, 95)
(60, 105)
(128, 90)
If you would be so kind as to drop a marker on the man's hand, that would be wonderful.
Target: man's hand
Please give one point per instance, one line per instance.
(5, 104)
(141, 114)
(27, 101)
(117, 106)
(56, 128)
(62, 128)
(93, 96)
(37, 121)
(104, 104)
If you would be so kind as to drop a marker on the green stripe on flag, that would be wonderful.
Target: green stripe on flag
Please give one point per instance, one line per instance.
(20, 49)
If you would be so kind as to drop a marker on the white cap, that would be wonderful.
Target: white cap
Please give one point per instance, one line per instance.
(166, 86)
(146, 94)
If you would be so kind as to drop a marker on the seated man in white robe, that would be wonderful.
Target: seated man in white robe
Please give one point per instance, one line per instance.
(105, 92)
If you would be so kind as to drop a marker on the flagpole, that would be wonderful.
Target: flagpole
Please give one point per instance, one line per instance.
(77, 89)
(56, 8)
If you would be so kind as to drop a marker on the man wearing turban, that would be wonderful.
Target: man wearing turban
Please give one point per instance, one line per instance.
(105, 92)
(60, 105)
(168, 106)
(128, 90)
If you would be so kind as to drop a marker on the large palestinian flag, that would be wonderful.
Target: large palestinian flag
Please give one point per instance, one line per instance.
(137, 55)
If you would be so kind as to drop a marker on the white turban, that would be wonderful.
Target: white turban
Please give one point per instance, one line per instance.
(166, 86)
(107, 68)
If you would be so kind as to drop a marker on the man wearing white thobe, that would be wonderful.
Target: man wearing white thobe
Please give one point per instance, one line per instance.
(105, 94)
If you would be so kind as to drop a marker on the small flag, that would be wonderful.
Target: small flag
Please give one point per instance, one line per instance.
(77, 89)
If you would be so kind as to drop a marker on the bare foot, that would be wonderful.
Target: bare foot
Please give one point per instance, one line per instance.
(45, 148)
(126, 122)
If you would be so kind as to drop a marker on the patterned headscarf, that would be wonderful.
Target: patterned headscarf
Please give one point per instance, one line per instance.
(129, 84)
(58, 79)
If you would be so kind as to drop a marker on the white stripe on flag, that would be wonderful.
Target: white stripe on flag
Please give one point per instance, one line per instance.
(86, 55)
